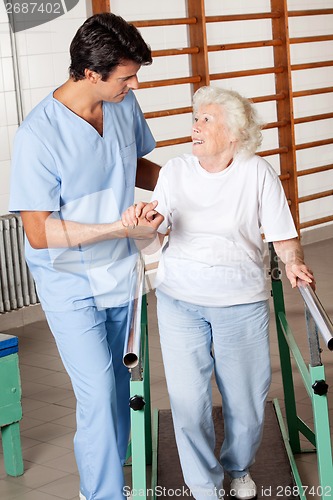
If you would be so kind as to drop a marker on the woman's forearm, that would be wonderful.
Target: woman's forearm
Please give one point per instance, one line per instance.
(289, 251)
(291, 254)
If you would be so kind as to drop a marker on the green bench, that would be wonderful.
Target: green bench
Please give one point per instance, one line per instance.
(10, 405)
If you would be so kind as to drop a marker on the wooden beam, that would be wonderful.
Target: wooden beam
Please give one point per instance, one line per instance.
(316, 222)
(101, 6)
(247, 72)
(175, 52)
(311, 65)
(243, 17)
(283, 82)
(168, 112)
(313, 118)
(314, 144)
(305, 93)
(198, 38)
(243, 45)
(282, 150)
(315, 170)
(310, 12)
(170, 81)
(311, 39)
(173, 142)
(164, 22)
(315, 196)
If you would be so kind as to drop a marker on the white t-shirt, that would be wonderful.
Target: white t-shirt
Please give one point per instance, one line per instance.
(214, 256)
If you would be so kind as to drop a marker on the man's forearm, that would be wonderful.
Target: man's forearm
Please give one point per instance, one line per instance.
(48, 230)
(71, 234)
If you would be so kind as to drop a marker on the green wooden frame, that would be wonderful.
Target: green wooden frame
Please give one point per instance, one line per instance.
(140, 447)
(320, 436)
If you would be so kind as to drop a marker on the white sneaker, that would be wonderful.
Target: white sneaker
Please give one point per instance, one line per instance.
(82, 497)
(243, 487)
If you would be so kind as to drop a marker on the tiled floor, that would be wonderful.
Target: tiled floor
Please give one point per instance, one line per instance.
(48, 423)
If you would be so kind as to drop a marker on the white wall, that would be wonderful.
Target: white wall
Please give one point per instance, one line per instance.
(43, 62)
(8, 111)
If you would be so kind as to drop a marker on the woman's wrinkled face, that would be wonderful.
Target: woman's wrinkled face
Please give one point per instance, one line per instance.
(210, 136)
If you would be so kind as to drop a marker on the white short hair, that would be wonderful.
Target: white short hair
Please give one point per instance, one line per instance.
(241, 118)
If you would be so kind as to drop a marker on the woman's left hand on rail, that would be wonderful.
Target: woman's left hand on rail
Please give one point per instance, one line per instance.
(300, 271)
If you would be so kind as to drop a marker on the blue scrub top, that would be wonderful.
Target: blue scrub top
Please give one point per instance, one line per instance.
(63, 165)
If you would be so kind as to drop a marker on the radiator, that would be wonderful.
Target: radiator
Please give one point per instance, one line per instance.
(17, 287)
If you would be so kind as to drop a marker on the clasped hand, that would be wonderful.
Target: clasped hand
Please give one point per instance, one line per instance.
(142, 220)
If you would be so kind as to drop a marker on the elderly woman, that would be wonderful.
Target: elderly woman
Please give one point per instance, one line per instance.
(213, 309)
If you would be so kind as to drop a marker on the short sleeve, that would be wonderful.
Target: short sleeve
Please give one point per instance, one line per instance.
(35, 184)
(274, 213)
(145, 141)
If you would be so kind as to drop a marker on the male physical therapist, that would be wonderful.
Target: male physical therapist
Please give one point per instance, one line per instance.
(76, 159)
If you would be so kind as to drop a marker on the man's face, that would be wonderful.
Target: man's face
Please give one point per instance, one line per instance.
(120, 81)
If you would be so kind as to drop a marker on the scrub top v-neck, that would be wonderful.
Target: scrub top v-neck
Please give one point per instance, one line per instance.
(82, 176)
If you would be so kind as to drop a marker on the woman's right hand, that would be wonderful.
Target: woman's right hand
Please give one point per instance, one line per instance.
(142, 220)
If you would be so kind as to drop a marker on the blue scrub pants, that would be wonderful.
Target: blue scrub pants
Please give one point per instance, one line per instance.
(234, 342)
(91, 343)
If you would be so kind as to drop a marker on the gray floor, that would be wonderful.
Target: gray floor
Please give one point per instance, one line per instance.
(48, 424)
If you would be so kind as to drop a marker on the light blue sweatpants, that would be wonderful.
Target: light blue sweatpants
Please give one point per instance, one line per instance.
(233, 341)
(91, 343)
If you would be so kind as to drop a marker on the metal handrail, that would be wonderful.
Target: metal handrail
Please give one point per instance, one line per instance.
(312, 376)
(132, 345)
(318, 313)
